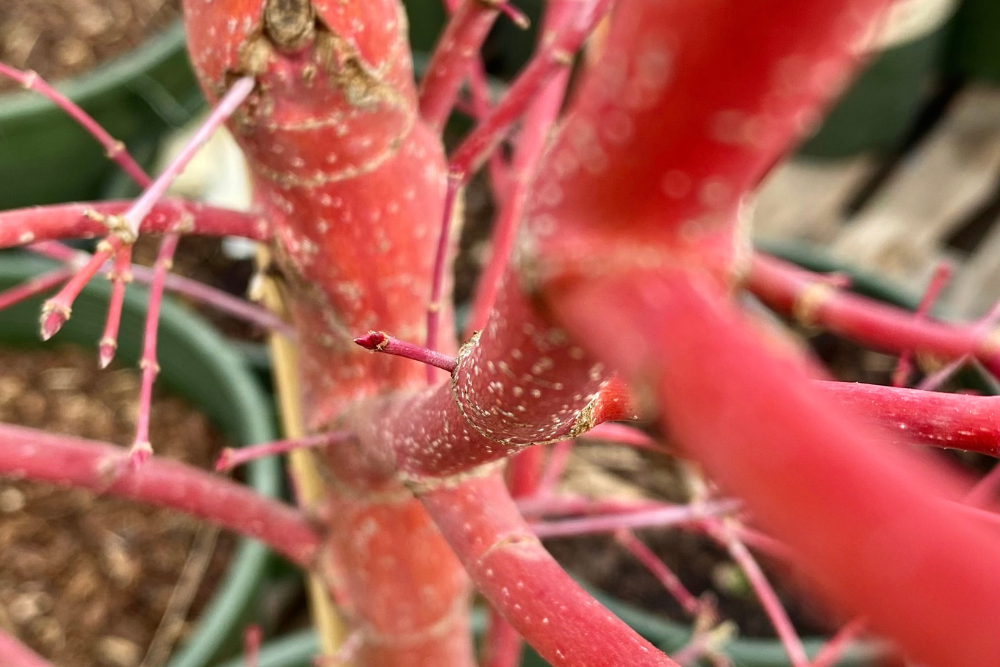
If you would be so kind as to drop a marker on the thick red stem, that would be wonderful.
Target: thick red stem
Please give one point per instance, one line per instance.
(521, 580)
(765, 433)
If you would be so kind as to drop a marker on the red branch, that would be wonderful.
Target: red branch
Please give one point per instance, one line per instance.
(73, 221)
(669, 515)
(521, 580)
(114, 148)
(186, 287)
(531, 142)
(67, 461)
(766, 435)
(670, 581)
(790, 289)
(454, 52)
(120, 275)
(958, 421)
(33, 287)
(830, 653)
(231, 458)
(141, 447)
(765, 593)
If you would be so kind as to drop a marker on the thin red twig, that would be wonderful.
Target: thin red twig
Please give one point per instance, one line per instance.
(670, 515)
(559, 455)
(120, 275)
(670, 581)
(831, 651)
(114, 148)
(141, 447)
(187, 287)
(940, 277)
(378, 341)
(562, 505)
(980, 494)
(546, 63)
(453, 55)
(814, 301)
(231, 458)
(765, 594)
(33, 287)
(234, 97)
(251, 645)
(531, 142)
(56, 310)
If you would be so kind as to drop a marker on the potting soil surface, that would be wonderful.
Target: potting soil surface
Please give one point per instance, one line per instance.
(87, 580)
(62, 38)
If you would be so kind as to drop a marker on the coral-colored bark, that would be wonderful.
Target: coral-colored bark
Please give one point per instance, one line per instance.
(869, 522)
(958, 421)
(521, 580)
(633, 242)
(352, 182)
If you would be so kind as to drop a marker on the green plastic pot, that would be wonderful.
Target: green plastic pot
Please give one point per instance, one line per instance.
(879, 109)
(198, 365)
(298, 649)
(974, 44)
(45, 157)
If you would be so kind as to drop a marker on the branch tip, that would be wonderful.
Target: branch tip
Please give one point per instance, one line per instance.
(106, 352)
(373, 340)
(54, 316)
(517, 17)
(138, 455)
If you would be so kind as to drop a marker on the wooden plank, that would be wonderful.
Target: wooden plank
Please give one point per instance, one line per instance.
(899, 233)
(803, 198)
(977, 286)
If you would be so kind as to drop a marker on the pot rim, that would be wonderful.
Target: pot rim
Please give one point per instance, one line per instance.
(117, 72)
